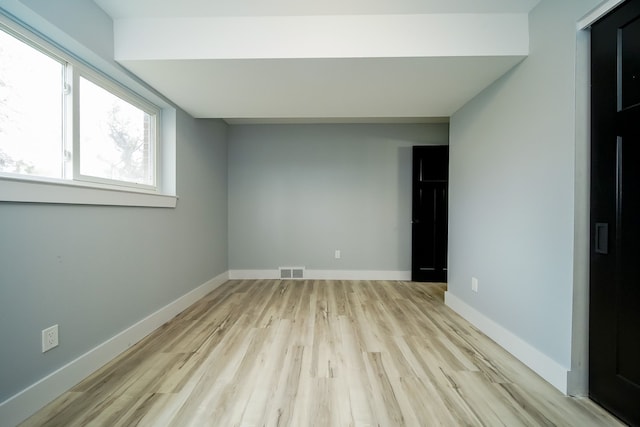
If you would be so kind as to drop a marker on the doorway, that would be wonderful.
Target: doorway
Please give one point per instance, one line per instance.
(614, 307)
(429, 234)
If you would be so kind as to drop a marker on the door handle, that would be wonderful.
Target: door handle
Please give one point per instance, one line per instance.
(602, 238)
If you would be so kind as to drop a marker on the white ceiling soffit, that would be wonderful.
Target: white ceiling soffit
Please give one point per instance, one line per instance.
(308, 88)
(190, 8)
(216, 59)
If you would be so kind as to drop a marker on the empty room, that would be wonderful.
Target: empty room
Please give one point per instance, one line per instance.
(319, 213)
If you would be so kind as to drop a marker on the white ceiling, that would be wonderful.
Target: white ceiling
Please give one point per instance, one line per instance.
(184, 8)
(261, 60)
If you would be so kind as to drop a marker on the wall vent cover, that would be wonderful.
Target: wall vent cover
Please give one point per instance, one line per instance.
(291, 272)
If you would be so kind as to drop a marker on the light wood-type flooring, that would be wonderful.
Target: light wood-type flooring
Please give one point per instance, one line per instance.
(318, 353)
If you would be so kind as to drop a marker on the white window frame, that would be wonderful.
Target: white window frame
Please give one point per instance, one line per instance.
(136, 101)
(75, 188)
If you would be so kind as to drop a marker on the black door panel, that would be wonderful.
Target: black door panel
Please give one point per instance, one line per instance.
(614, 308)
(429, 223)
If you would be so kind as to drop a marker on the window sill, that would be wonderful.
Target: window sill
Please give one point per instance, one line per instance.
(32, 191)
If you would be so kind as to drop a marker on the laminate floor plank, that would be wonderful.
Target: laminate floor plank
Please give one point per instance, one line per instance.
(388, 412)
(318, 353)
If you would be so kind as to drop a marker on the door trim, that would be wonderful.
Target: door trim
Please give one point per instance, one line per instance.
(598, 12)
(578, 375)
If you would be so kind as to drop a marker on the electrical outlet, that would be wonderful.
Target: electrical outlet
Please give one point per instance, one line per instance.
(337, 254)
(49, 338)
(474, 284)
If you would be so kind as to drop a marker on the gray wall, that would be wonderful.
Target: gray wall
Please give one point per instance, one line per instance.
(98, 270)
(512, 193)
(73, 23)
(298, 192)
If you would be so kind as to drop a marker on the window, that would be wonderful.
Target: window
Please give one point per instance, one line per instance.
(117, 138)
(31, 109)
(61, 122)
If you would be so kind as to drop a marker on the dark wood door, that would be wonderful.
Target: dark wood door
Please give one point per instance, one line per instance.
(429, 221)
(614, 326)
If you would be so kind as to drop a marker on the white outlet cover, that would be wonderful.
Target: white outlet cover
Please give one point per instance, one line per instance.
(49, 338)
(337, 254)
(474, 284)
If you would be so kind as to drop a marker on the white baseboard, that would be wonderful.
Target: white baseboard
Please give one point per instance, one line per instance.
(24, 404)
(540, 363)
(253, 274)
(324, 275)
